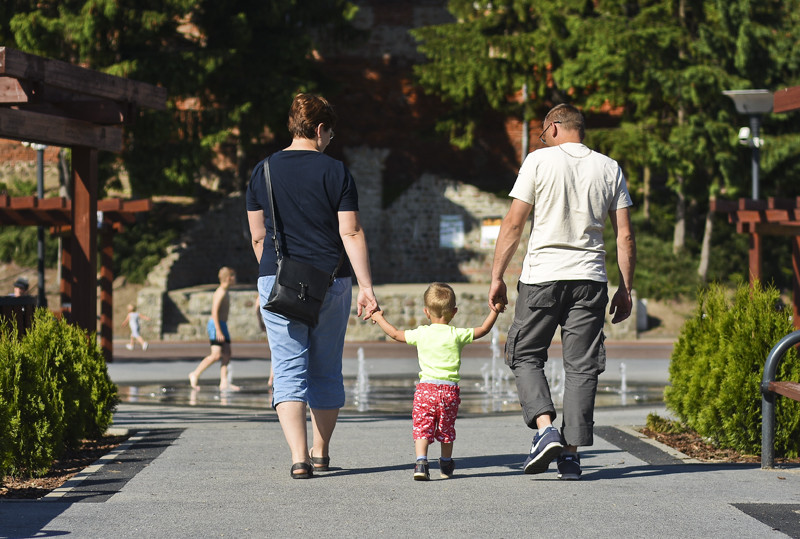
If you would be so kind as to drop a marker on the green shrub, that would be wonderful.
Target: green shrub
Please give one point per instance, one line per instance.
(717, 365)
(656, 423)
(8, 345)
(55, 390)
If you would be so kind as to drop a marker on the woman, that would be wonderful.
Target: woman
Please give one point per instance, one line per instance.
(316, 206)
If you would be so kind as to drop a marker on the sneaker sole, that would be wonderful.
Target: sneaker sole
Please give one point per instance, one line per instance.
(541, 463)
(421, 477)
(569, 477)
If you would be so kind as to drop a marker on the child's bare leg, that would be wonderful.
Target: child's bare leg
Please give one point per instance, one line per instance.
(224, 385)
(447, 450)
(194, 376)
(421, 447)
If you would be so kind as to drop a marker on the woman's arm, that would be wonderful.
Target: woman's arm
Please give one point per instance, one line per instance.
(258, 232)
(355, 244)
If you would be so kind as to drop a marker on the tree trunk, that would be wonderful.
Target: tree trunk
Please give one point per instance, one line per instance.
(679, 236)
(705, 251)
(646, 187)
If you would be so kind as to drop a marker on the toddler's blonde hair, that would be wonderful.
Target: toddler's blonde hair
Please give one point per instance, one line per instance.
(440, 300)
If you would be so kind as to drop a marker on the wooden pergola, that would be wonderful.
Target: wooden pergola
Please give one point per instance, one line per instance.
(774, 217)
(58, 104)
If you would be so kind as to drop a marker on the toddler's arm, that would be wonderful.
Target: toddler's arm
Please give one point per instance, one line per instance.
(125, 322)
(390, 330)
(486, 327)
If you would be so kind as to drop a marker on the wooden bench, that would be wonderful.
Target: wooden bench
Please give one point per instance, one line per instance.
(769, 389)
(787, 389)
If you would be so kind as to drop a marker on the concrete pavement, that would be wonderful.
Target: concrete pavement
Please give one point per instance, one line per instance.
(213, 471)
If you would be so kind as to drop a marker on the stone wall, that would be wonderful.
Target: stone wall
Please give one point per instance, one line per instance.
(402, 304)
(412, 248)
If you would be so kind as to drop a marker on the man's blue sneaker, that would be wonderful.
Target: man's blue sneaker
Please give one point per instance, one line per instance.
(569, 467)
(545, 448)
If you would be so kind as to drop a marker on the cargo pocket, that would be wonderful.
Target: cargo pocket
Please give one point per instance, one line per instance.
(511, 344)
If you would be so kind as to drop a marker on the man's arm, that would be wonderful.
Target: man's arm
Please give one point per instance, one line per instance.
(621, 303)
(507, 242)
(257, 231)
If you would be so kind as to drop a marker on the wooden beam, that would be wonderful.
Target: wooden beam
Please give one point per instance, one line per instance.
(56, 131)
(95, 112)
(24, 66)
(786, 99)
(13, 91)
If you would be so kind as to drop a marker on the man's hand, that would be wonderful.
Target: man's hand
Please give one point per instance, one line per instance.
(621, 306)
(498, 296)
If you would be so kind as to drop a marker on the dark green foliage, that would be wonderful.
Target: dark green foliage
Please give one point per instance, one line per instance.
(54, 391)
(717, 364)
(144, 245)
(231, 69)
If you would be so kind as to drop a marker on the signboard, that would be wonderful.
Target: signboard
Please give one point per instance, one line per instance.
(451, 232)
(490, 228)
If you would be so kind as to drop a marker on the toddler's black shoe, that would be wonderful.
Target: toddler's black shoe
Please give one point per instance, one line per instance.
(421, 472)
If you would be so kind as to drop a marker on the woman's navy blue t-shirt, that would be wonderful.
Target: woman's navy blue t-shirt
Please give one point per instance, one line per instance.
(309, 189)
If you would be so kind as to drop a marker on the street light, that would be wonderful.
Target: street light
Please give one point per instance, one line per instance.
(42, 301)
(754, 103)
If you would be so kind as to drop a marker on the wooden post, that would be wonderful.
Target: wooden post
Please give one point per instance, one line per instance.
(65, 286)
(106, 291)
(84, 238)
(755, 255)
(796, 282)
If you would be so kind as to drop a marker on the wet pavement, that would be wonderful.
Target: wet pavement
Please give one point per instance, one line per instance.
(379, 376)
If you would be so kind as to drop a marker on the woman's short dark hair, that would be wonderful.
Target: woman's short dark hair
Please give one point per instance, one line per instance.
(569, 116)
(307, 112)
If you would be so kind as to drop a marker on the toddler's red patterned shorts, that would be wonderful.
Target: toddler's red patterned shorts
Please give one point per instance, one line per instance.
(435, 411)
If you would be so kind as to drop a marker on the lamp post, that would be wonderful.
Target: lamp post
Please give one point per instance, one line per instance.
(754, 103)
(42, 300)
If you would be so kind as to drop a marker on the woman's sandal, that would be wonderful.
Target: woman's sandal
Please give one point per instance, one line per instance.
(321, 464)
(308, 470)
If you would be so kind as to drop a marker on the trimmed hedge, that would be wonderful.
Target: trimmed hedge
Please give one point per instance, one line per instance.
(54, 392)
(717, 365)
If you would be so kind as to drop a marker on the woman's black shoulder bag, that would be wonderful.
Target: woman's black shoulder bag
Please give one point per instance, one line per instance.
(299, 289)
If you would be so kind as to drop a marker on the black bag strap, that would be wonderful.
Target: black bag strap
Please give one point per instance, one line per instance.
(275, 240)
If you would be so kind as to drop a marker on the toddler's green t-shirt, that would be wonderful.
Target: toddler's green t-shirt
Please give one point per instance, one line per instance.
(439, 350)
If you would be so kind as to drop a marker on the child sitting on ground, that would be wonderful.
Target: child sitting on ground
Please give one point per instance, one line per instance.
(437, 396)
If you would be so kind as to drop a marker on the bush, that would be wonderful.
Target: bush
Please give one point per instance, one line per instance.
(717, 365)
(54, 390)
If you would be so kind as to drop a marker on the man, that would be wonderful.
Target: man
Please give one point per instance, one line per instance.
(21, 287)
(570, 189)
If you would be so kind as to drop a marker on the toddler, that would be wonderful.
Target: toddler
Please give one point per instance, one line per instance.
(437, 396)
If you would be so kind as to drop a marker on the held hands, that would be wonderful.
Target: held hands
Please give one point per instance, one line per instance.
(498, 296)
(367, 303)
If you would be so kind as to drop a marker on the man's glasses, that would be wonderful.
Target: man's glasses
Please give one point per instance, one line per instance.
(541, 137)
(332, 134)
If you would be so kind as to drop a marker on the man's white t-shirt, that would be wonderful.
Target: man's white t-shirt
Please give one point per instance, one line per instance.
(571, 189)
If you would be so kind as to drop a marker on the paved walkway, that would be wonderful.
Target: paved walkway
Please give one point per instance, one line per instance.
(219, 471)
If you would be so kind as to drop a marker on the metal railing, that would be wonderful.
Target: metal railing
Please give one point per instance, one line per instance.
(768, 397)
